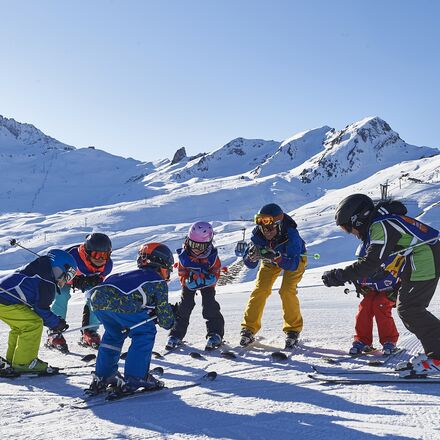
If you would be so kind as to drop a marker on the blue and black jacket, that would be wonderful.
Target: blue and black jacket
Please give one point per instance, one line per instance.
(287, 242)
(34, 284)
(132, 292)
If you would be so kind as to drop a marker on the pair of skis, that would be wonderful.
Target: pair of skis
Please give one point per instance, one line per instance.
(102, 399)
(360, 376)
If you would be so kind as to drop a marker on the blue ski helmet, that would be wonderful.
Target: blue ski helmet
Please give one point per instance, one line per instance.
(63, 264)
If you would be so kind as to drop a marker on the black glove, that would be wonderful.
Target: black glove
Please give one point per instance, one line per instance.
(333, 277)
(83, 282)
(253, 253)
(175, 309)
(269, 254)
(60, 327)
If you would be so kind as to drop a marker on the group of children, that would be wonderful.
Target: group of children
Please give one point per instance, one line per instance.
(130, 304)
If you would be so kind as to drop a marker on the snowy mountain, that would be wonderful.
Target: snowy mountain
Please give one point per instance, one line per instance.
(359, 149)
(41, 174)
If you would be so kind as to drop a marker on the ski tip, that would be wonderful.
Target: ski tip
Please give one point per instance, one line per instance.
(278, 356)
(88, 357)
(228, 354)
(157, 355)
(196, 355)
(212, 375)
(375, 363)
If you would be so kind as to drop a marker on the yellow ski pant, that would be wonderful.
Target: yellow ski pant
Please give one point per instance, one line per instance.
(25, 335)
(266, 277)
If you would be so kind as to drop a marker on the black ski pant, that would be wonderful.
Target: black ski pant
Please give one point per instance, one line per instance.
(412, 303)
(210, 311)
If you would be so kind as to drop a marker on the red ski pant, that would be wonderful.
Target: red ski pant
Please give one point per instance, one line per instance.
(375, 305)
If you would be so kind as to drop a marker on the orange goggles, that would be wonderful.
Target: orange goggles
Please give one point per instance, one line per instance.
(99, 255)
(266, 220)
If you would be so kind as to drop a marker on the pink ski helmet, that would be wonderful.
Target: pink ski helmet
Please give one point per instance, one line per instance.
(201, 232)
(200, 235)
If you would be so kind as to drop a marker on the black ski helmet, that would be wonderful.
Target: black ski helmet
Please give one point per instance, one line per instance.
(354, 212)
(271, 209)
(97, 242)
(156, 256)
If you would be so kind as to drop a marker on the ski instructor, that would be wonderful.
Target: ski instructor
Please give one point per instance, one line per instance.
(386, 231)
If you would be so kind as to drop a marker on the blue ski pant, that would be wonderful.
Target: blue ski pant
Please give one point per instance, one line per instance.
(137, 362)
(61, 301)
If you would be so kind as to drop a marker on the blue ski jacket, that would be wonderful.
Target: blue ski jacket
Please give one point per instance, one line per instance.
(132, 292)
(34, 284)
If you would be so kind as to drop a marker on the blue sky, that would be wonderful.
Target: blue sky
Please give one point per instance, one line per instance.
(143, 78)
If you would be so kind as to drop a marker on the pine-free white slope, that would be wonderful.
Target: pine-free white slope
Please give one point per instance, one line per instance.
(251, 398)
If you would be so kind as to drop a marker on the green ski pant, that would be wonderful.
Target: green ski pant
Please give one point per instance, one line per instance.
(25, 335)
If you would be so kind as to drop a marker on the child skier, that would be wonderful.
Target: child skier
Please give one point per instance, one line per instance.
(277, 243)
(25, 298)
(199, 269)
(387, 231)
(379, 297)
(124, 303)
(94, 264)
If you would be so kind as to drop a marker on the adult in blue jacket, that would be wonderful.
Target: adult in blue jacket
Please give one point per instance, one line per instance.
(125, 303)
(277, 245)
(25, 299)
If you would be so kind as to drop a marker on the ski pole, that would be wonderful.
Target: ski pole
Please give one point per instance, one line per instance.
(415, 245)
(16, 297)
(126, 330)
(14, 242)
(78, 328)
(314, 256)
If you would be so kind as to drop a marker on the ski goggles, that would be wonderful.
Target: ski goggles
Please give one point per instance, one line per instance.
(99, 255)
(197, 245)
(266, 220)
(68, 275)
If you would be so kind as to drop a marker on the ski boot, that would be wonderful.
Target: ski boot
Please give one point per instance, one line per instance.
(6, 370)
(131, 384)
(389, 348)
(56, 341)
(291, 339)
(173, 342)
(101, 384)
(90, 338)
(247, 337)
(419, 367)
(37, 366)
(214, 341)
(359, 347)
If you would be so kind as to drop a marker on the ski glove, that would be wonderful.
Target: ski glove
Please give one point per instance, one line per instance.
(83, 282)
(60, 327)
(200, 280)
(253, 253)
(269, 255)
(333, 277)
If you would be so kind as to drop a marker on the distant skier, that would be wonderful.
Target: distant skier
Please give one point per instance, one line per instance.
(277, 244)
(379, 293)
(125, 300)
(199, 269)
(25, 298)
(94, 264)
(385, 230)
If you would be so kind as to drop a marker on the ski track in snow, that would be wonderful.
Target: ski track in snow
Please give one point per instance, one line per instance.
(252, 396)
